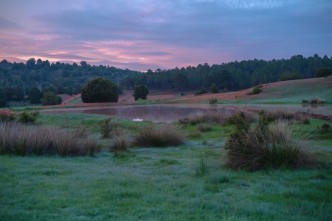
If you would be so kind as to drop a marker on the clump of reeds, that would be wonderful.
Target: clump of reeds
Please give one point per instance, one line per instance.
(159, 136)
(21, 139)
(266, 147)
(121, 141)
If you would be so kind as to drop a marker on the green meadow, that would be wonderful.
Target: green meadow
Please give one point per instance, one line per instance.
(187, 182)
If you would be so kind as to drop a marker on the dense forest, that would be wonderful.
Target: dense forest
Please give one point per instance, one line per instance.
(31, 80)
(230, 76)
(61, 77)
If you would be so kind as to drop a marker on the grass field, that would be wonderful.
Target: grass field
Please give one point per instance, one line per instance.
(188, 182)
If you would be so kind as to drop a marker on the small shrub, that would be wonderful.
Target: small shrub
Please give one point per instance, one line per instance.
(325, 128)
(213, 100)
(159, 136)
(256, 90)
(214, 88)
(204, 128)
(317, 101)
(306, 121)
(202, 169)
(194, 135)
(7, 115)
(27, 117)
(240, 121)
(202, 91)
(272, 147)
(106, 128)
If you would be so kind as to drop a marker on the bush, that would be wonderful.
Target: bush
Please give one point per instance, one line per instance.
(27, 117)
(324, 72)
(256, 90)
(159, 136)
(325, 128)
(99, 90)
(213, 100)
(204, 128)
(35, 95)
(202, 91)
(214, 89)
(317, 101)
(50, 98)
(7, 115)
(21, 139)
(140, 92)
(272, 147)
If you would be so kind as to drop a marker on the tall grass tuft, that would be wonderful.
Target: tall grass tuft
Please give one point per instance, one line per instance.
(266, 147)
(20, 139)
(159, 136)
(121, 141)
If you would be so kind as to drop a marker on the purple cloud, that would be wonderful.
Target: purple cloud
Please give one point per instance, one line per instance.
(153, 34)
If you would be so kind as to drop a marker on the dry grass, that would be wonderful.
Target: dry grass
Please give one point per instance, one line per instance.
(272, 147)
(22, 139)
(159, 136)
(121, 141)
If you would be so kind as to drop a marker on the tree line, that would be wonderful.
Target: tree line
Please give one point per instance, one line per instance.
(17, 79)
(230, 76)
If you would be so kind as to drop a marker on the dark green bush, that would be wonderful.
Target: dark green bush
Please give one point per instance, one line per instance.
(100, 90)
(256, 90)
(28, 117)
(140, 92)
(214, 89)
(325, 128)
(213, 100)
(50, 98)
(202, 91)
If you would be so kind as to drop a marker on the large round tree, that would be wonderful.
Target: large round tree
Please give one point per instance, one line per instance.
(99, 90)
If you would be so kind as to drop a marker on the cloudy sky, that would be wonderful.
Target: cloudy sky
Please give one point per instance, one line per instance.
(142, 34)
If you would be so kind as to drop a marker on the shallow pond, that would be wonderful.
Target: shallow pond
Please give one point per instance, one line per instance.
(171, 113)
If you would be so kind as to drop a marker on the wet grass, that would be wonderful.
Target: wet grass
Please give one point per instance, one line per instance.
(188, 182)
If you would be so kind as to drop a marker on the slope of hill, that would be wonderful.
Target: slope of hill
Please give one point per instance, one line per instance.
(293, 91)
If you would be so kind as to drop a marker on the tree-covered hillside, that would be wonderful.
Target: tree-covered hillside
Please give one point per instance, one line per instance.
(230, 76)
(63, 78)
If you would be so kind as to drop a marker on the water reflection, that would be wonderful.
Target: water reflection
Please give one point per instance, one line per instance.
(153, 113)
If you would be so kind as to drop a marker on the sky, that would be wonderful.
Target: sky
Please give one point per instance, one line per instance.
(151, 34)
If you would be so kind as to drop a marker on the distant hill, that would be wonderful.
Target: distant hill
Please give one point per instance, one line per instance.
(63, 78)
(292, 91)
(231, 76)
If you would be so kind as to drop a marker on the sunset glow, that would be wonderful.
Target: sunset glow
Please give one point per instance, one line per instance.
(162, 34)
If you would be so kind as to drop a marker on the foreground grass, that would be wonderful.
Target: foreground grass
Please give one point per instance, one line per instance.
(157, 184)
(172, 183)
